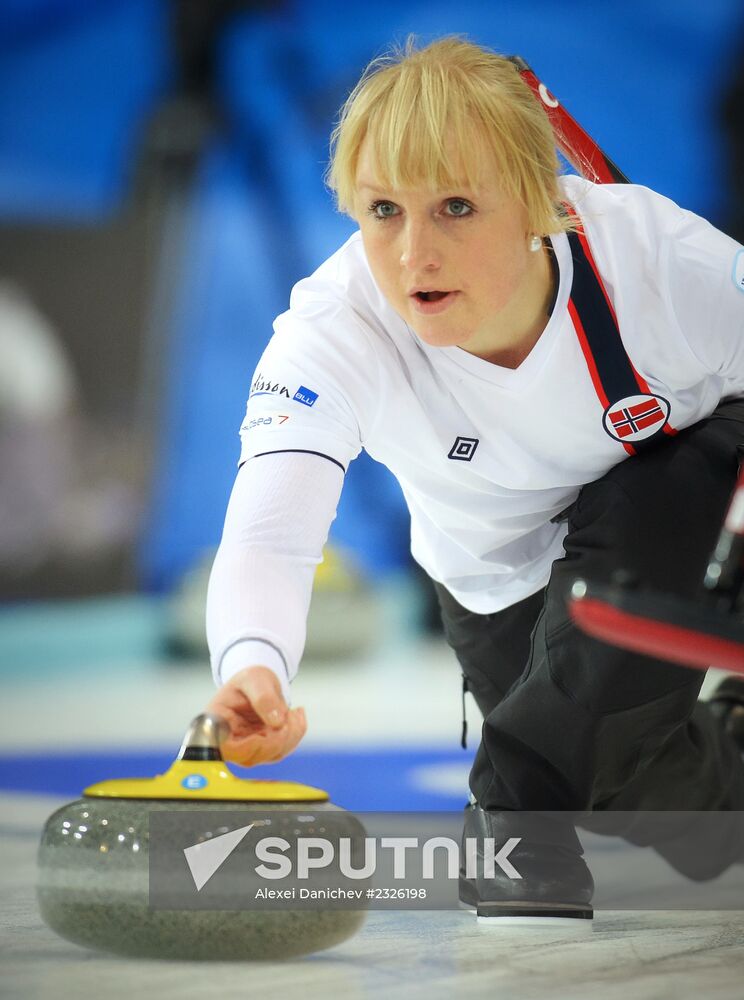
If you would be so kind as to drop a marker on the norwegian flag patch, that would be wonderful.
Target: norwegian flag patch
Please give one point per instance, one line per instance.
(636, 417)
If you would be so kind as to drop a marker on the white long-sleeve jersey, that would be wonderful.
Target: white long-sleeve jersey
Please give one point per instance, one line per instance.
(486, 456)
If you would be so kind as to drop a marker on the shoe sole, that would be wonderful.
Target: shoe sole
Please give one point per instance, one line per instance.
(568, 925)
(516, 911)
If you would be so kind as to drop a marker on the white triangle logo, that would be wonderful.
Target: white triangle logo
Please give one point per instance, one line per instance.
(205, 858)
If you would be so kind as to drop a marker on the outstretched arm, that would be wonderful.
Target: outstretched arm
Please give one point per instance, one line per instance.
(277, 522)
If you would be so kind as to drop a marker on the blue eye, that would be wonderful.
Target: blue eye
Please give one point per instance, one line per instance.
(459, 207)
(383, 209)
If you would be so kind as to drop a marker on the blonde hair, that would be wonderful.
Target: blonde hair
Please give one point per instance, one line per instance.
(436, 112)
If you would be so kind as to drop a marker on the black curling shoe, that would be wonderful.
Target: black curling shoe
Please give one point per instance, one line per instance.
(532, 868)
(727, 704)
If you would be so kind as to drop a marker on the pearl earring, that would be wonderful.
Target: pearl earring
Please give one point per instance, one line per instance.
(535, 243)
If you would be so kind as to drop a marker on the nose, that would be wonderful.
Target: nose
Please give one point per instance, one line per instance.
(419, 250)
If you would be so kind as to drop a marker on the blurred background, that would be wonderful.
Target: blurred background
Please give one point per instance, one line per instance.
(161, 190)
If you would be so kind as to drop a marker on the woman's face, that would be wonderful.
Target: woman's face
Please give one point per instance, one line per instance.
(454, 264)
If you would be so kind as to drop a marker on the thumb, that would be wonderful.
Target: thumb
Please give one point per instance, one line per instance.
(262, 689)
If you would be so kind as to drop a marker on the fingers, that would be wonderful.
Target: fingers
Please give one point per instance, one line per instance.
(262, 688)
(251, 698)
(267, 745)
(262, 729)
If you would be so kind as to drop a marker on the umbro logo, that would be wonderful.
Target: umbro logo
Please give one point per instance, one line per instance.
(463, 449)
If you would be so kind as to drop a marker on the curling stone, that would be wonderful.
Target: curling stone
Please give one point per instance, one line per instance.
(94, 868)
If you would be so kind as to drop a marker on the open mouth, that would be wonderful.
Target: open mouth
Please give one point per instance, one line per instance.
(432, 301)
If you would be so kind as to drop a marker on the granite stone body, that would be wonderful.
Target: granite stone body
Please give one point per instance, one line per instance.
(93, 885)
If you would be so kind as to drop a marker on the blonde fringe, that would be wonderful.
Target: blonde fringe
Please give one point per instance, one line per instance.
(438, 117)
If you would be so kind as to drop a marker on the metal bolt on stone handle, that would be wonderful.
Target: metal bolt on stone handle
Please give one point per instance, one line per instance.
(203, 737)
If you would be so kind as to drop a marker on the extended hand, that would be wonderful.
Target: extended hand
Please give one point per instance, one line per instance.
(262, 728)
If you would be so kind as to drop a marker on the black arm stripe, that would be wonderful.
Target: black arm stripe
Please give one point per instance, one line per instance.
(299, 451)
(251, 638)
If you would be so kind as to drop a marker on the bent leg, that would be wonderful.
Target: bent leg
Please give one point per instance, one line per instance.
(492, 649)
(588, 726)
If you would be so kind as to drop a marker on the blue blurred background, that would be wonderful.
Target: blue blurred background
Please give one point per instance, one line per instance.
(161, 190)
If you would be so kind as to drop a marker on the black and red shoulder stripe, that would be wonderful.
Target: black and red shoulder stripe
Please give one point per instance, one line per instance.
(633, 414)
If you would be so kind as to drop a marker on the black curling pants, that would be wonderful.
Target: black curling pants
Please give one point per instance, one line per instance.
(571, 723)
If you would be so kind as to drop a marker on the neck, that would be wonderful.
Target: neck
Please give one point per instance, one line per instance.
(524, 320)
